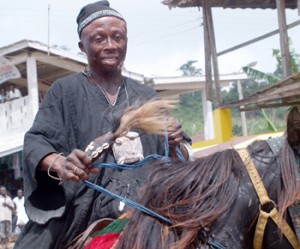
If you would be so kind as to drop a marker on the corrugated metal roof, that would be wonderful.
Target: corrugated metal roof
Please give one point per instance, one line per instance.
(233, 4)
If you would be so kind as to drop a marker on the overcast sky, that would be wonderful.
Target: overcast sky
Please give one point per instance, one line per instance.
(160, 40)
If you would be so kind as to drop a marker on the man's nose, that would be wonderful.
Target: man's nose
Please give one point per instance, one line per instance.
(110, 43)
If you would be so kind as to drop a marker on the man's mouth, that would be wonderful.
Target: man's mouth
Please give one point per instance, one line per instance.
(110, 58)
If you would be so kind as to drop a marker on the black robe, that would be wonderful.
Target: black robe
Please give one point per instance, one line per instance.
(73, 113)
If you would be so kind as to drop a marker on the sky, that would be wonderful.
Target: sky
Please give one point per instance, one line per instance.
(160, 40)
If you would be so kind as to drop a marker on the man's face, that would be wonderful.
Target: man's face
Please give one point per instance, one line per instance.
(20, 193)
(105, 43)
(2, 191)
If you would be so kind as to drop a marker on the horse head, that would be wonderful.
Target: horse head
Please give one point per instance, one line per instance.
(213, 200)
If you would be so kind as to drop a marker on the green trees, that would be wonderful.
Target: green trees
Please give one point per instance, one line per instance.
(189, 69)
(271, 119)
(189, 108)
(189, 112)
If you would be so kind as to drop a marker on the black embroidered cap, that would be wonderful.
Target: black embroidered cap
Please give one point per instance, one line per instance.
(93, 11)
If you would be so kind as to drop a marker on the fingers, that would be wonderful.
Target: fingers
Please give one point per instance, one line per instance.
(76, 166)
(175, 141)
(176, 136)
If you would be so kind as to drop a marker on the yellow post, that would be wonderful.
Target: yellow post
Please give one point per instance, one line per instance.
(223, 129)
(223, 125)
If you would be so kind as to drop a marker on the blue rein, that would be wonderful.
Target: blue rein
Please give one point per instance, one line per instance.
(146, 160)
(128, 202)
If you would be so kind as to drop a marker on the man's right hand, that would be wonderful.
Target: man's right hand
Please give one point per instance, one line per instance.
(74, 167)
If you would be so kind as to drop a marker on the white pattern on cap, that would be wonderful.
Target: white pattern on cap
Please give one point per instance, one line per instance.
(98, 14)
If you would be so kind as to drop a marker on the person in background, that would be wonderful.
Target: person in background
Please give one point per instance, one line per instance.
(76, 110)
(13, 92)
(6, 210)
(22, 217)
(2, 95)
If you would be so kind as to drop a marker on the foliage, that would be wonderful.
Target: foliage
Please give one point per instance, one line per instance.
(189, 109)
(190, 112)
(295, 60)
(269, 123)
(188, 69)
(260, 76)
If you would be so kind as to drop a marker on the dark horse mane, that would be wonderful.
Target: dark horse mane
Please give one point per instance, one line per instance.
(198, 196)
(189, 194)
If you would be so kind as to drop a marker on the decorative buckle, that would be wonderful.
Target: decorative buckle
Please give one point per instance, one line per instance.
(128, 149)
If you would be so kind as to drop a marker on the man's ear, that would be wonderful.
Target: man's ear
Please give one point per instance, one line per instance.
(80, 45)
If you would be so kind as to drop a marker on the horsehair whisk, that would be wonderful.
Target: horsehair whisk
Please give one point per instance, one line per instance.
(152, 117)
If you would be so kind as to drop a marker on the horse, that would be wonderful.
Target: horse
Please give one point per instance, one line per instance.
(212, 203)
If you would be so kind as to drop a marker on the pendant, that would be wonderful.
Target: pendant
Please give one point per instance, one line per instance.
(122, 203)
(121, 206)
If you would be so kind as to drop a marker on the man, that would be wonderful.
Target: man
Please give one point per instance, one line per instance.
(13, 92)
(75, 111)
(22, 218)
(2, 95)
(6, 208)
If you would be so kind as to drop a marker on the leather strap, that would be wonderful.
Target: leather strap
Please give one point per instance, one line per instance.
(264, 199)
(294, 211)
(276, 145)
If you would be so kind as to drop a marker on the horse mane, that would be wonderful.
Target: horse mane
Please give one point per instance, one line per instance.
(290, 191)
(195, 194)
(290, 162)
(192, 194)
(288, 187)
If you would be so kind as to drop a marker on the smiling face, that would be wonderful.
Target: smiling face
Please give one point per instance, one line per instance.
(105, 43)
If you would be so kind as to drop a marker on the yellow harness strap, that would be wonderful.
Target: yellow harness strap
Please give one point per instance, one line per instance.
(264, 199)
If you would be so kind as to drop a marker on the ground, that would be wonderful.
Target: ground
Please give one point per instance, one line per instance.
(12, 241)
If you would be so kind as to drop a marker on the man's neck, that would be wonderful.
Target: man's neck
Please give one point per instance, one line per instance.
(110, 83)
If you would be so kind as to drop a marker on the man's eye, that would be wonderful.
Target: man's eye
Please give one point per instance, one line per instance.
(99, 39)
(118, 37)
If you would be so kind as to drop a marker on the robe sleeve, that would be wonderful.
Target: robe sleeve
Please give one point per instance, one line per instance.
(45, 199)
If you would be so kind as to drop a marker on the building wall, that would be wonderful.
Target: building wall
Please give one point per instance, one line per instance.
(15, 117)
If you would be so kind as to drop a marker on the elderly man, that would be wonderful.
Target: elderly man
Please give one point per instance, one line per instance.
(76, 110)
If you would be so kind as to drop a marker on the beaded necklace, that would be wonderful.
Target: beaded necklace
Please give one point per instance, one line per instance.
(87, 73)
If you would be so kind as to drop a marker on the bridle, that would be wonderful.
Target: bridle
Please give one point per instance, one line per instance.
(203, 237)
(265, 200)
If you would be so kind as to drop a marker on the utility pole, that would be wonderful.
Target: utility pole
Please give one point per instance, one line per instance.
(240, 93)
(49, 28)
(243, 114)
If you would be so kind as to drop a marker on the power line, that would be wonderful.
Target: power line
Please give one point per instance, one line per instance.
(165, 36)
(165, 28)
